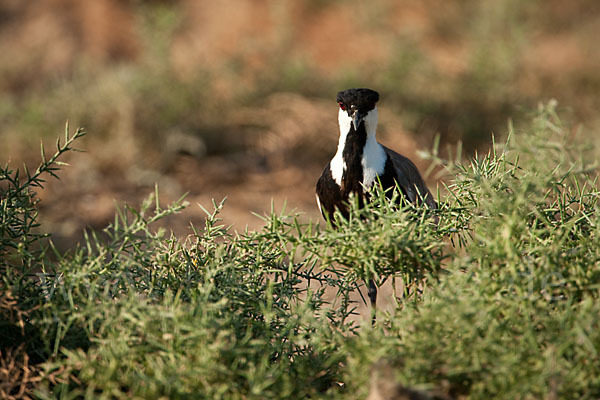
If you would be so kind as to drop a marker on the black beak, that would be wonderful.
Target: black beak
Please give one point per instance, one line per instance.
(356, 119)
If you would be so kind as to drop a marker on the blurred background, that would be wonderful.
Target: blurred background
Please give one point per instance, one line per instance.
(236, 98)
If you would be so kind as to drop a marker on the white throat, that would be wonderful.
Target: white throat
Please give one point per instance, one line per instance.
(373, 157)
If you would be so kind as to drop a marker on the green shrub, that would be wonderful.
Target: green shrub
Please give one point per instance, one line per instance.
(499, 300)
(516, 314)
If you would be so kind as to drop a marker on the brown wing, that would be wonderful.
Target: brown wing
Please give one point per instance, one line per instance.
(409, 179)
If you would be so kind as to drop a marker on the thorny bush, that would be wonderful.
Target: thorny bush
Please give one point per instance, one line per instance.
(499, 299)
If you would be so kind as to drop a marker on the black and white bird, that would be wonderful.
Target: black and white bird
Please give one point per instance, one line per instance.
(361, 161)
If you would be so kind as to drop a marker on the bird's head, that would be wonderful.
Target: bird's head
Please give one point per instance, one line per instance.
(358, 105)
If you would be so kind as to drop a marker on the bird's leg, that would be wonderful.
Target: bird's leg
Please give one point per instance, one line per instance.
(373, 297)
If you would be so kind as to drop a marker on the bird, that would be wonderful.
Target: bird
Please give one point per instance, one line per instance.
(361, 161)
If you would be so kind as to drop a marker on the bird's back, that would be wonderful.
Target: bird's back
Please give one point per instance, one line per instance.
(409, 179)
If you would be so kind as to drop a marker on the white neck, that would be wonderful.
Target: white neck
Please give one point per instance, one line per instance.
(345, 121)
(373, 158)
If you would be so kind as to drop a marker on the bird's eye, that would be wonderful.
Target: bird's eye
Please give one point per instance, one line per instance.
(342, 106)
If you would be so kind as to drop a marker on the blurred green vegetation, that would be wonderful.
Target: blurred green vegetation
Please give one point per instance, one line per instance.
(457, 69)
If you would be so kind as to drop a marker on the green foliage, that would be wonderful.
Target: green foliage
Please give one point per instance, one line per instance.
(22, 253)
(18, 207)
(502, 279)
(516, 314)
